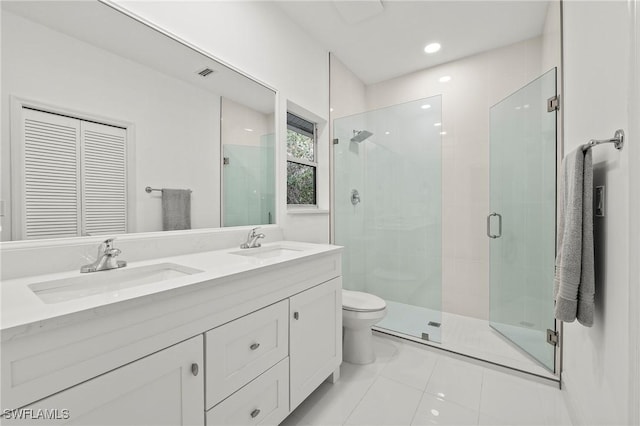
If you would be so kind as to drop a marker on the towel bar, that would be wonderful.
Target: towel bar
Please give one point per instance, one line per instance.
(617, 140)
(148, 189)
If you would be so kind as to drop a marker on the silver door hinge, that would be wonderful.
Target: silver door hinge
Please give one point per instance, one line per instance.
(335, 141)
(553, 104)
(225, 160)
(552, 337)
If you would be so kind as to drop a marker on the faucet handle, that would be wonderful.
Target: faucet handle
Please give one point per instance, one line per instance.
(105, 246)
(108, 243)
(253, 231)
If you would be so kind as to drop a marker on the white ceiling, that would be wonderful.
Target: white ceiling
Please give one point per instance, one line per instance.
(379, 40)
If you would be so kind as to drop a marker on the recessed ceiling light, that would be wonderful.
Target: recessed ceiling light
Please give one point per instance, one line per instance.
(249, 130)
(443, 133)
(437, 124)
(432, 48)
(330, 109)
(445, 78)
(425, 106)
(386, 133)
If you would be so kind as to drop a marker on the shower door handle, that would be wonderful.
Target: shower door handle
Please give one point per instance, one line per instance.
(489, 234)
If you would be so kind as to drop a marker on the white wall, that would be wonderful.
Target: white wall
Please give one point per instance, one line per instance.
(477, 83)
(597, 62)
(49, 67)
(261, 41)
(237, 118)
(348, 92)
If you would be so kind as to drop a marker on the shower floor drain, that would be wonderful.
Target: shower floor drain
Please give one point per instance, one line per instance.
(434, 324)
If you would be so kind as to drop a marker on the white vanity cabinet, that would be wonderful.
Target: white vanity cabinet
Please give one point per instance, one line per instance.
(240, 348)
(275, 356)
(165, 388)
(315, 337)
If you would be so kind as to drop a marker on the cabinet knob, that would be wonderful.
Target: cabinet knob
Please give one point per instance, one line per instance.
(195, 369)
(296, 315)
(255, 413)
(254, 346)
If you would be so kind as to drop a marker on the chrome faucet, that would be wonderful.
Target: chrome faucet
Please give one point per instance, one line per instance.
(252, 239)
(106, 258)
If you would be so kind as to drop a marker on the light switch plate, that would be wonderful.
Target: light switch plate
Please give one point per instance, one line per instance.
(600, 200)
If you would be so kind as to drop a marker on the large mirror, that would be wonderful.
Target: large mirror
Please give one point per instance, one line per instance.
(110, 127)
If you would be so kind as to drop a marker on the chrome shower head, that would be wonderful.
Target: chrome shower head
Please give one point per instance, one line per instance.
(360, 135)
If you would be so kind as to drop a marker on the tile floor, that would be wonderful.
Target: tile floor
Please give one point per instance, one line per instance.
(469, 336)
(411, 385)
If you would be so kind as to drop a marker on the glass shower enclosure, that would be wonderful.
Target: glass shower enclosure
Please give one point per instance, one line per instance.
(388, 211)
(521, 224)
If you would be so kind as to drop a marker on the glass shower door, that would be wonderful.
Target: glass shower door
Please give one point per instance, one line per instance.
(521, 224)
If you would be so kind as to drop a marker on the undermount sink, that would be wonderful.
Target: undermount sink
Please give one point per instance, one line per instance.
(62, 290)
(266, 252)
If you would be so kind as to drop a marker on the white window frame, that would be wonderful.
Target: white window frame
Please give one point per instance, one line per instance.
(305, 162)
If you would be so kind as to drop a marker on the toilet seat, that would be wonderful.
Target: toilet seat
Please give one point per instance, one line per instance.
(357, 301)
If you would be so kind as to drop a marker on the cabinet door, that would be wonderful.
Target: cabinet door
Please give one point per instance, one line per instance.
(315, 333)
(160, 389)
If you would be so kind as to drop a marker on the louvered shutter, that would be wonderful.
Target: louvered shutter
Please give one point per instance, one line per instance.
(104, 171)
(50, 186)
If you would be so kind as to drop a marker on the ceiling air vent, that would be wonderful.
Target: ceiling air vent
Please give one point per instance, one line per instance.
(205, 72)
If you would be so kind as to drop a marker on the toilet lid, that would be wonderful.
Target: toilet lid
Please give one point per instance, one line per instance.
(361, 302)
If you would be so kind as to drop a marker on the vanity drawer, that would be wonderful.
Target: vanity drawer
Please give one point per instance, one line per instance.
(241, 350)
(263, 401)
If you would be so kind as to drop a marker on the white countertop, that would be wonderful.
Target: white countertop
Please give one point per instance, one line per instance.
(21, 306)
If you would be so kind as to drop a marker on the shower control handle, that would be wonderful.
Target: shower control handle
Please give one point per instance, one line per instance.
(355, 197)
(489, 234)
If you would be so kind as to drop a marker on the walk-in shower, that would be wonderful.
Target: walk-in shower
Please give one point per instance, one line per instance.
(401, 230)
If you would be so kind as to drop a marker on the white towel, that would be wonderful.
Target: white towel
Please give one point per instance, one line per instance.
(574, 284)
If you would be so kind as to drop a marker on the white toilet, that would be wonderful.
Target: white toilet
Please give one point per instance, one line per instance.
(359, 312)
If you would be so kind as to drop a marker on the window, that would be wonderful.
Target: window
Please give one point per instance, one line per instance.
(301, 161)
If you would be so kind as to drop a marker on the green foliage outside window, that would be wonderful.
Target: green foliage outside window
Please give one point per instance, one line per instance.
(299, 145)
(301, 187)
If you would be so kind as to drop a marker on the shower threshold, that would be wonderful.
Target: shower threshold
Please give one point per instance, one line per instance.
(470, 337)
